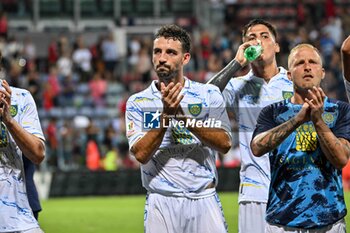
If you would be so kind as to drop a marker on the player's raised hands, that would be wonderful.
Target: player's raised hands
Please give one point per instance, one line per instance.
(316, 102)
(171, 97)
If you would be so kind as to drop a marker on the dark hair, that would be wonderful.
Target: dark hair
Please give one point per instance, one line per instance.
(176, 33)
(254, 22)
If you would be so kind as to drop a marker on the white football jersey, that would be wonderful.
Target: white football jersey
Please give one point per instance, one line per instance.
(16, 214)
(246, 96)
(183, 165)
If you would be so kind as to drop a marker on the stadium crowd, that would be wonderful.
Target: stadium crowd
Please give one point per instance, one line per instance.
(82, 90)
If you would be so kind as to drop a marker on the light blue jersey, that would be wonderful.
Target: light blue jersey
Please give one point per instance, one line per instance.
(15, 212)
(182, 166)
(246, 96)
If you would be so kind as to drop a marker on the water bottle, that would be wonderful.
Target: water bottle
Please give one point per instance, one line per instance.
(252, 52)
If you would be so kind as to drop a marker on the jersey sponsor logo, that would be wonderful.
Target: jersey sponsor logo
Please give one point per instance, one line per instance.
(250, 99)
(195, 109)
(182, 135)
(151, 120)
(13, 110)
(306, 138)
(287, 94)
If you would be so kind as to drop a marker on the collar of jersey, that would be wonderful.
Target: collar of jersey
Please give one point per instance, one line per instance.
(155, 90)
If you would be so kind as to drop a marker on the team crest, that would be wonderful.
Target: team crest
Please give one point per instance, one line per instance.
(287, 94)
(195, 109)
(327, 117)
(13, 110)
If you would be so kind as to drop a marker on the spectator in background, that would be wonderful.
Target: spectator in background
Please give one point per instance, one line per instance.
(144, 65)
(98, 89)
(109, 51)
(54, 85)
(52, 52)
(82, 60)
(93, 154)
(3, 25)
(52, 143)
(111, 160)
(67, 136)
(34, 85)
(65, 64)
(29, 52)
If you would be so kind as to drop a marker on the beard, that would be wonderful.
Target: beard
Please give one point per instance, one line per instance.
(166, 74)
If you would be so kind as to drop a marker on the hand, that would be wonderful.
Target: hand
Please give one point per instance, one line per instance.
(316, 102)
(304, 114)
(171, 97)
(5, 101)
(240, 58)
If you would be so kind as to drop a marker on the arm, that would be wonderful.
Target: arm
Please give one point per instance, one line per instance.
(218, 139)
(345, 55)
(223, 77)
(148, 143)
(31, 146)
(146, 146)
(269, 140)
(266, 137)
(336, 150)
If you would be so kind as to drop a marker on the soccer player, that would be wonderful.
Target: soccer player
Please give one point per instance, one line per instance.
(21, 134)
(307, 137)
(345, 56)
(174, 128)
(266, 83)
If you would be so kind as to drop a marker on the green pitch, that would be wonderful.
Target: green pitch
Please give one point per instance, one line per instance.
(117, 214)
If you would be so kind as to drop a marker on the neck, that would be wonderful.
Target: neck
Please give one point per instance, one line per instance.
(173, 80)
(266, 71)
(299, 96)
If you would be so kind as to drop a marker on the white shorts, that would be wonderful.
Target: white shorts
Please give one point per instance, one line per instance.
(33, 230)
(338, 227)
(251, 217)
(164, 214)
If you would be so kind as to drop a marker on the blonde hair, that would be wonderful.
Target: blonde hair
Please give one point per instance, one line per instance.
(299, 46)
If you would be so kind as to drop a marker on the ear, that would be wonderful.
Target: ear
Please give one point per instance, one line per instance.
(289, 76)
(323, 73)
(277, 48)
(186, 58)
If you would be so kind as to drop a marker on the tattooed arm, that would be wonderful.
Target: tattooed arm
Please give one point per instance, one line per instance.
(269, 140)
(345, 58)
(334, 147)
(345, 55)
(270, 137)
(336, 150)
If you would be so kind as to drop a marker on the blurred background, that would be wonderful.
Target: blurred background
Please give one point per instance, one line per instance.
(82, 59)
